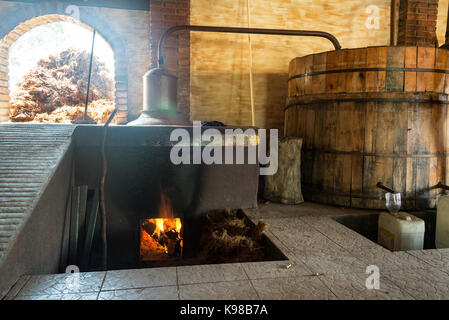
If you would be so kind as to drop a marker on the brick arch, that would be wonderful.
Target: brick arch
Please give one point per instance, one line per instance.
(16, 22)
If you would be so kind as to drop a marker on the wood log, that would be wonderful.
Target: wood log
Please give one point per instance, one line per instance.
(149, 227)
(285, 185)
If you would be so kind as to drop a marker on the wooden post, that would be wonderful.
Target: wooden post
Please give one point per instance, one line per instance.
(91, 222)
(446, 43)
(394, 22)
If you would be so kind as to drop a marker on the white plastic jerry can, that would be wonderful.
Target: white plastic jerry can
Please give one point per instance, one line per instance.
(401, 232)
(442, 226)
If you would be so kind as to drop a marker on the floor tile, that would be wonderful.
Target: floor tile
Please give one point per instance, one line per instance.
(297, 288)
(235, 290)
(337, 232)
(283, 248)
(210, 273)
(423, 284)
(334, 261)
(139, 278)
(65, 296)
(157, 293)
(352, 286)
(438, 258)
(62, 283)
(386, 259)
(275, 269)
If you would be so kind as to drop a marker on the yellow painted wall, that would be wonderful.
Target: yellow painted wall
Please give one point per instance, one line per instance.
(442, 19)
(219, 62)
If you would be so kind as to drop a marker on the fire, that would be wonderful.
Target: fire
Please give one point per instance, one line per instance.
(161, 237)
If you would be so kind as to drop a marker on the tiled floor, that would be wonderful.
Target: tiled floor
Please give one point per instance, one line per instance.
(326, 261)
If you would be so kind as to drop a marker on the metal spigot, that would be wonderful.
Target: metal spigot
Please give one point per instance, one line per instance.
(441, 186)
(380, 185)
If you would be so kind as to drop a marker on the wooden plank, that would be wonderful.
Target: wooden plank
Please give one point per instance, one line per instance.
(376, 57)
(399, 182)
(356, 80)
(410, 62)
(319, 81)
(342, 64)
(394, 22)
(82, 215)
(74, 225)
(301, 122)
(440, 64)
(395, 79)
(308, 67)
(358, 132)
(344, 126)
(310, 127)
(91, 221)
(329, 130)
(300, 82)
(292, 67)
(435, 175)
(369, 180)
(320, 116)
(369, 144)
(356, 177)
(426, 60)
(386, 127)
(332, 78)
(422, 183)
(410, 201)
(400, 111)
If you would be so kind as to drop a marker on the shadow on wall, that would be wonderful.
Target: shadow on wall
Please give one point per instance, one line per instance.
(225, 97)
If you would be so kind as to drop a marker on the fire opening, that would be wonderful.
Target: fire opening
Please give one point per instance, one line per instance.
(48, 73)
(161, 238)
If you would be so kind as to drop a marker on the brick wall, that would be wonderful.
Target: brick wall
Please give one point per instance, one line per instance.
(163, 15)
(417, 23)
(125, 30)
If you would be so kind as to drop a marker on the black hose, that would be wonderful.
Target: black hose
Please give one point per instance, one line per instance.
(381, 186)
(102, 198)
(90, 75)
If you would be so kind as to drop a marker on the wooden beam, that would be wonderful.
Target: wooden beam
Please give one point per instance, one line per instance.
(79, 196)
(91, 222)
(394, 22)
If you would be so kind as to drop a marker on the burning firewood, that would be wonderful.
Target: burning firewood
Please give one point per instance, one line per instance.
(149, 227)
(166, 240)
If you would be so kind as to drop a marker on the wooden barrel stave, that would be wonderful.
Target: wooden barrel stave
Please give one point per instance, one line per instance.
(368, 115)
(351, 145)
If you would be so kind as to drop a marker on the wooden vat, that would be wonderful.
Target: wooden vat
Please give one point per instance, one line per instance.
(369, 115)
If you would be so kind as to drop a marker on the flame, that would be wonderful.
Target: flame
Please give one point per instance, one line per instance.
(161, 242)
(159, 226)
(168, 224)
(165, 208)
